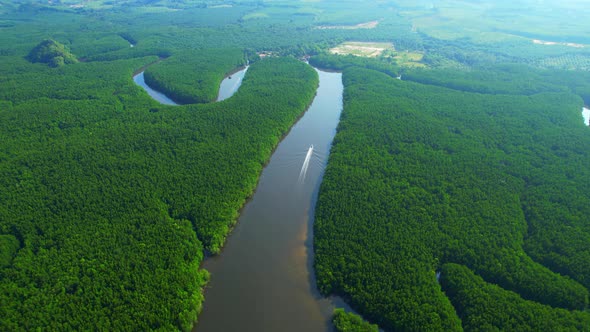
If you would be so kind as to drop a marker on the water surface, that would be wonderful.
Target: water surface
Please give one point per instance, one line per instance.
(158, 96)
(263, 278)
(231, 83)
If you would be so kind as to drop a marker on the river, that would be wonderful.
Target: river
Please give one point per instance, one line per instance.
(263, 279)
(227, 88)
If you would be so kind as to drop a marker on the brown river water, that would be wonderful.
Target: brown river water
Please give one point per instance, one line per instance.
(263, 279)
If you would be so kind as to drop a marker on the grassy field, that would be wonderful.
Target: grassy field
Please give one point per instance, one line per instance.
(409, 59)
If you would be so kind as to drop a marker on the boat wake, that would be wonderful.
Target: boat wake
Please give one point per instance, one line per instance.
(305, 166)
(312, 157)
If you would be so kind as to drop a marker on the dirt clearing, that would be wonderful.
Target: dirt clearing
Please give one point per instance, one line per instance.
(364, 49)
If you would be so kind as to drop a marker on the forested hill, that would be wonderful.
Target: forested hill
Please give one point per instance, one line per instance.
(100, 198)
(52, 53)
(420, 176)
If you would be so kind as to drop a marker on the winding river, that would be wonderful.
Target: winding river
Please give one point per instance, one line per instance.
(263, 279)
(228, 87)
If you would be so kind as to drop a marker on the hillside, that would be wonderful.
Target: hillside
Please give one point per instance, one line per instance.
(51, 53)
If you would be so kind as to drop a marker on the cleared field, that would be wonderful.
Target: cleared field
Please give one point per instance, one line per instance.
(366, 25)
(364, 49)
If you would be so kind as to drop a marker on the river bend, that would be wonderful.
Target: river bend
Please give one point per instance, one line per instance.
(227, 88)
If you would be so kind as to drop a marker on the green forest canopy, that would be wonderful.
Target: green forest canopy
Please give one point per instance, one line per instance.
(108, 200)
(420, 176)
